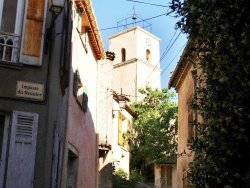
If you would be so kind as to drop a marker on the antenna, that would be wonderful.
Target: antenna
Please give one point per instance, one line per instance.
(136, 20)
(134, 16)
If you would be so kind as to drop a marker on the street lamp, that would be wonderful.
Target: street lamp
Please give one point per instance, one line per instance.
(122, 102)
(56, 6)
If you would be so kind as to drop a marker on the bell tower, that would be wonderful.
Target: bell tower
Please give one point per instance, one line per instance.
(137, 60)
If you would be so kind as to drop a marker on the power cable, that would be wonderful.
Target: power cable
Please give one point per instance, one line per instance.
(148, 3)
(166, 51)
(168, 44)
(171, 61)
(115, 27)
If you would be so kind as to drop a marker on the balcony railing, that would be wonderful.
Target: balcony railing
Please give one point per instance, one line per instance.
(9, 47)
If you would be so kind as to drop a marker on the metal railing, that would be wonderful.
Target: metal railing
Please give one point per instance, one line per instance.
(9, 47)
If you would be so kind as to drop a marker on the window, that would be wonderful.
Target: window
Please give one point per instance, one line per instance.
(72, 169)
(80, 92)
(11, 14)
(123, 127)
(148, 55)
(123, 51)
(16, 37)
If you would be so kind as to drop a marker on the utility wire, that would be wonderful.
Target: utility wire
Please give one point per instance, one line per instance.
(168, 45)
(171, 61)
(148, 3)
(115, 27)
(166, 51)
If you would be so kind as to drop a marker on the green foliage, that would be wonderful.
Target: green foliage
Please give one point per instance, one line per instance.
(121, 179)
(221, 32)
(154, 132)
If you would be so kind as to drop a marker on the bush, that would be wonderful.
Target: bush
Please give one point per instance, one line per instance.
(121, 179)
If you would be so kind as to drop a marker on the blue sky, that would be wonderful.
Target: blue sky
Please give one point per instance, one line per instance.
(111, 12)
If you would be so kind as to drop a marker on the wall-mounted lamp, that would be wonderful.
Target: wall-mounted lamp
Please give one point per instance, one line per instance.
(56, 6)
(122, 102)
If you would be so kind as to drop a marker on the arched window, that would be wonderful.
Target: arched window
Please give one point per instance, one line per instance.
(123, 54)
(148, 55)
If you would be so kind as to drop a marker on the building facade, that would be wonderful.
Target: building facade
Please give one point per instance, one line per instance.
(48, 94)
(183, 82)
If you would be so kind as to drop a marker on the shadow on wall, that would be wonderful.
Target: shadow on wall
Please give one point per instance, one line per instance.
(106, 176)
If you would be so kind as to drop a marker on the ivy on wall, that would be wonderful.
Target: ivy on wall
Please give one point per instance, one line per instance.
(221, 31)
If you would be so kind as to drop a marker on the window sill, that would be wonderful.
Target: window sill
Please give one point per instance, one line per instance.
(9, 65)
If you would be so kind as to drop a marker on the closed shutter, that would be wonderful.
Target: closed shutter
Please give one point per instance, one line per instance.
(57, 152)
(128, 130)
(32, 43)
(21, 162)
(120, 136)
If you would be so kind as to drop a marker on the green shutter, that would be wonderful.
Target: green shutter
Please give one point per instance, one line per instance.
(85, 100)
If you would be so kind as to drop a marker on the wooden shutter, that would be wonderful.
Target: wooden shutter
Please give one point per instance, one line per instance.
(22, 150)
(32, 43)
(120, 136)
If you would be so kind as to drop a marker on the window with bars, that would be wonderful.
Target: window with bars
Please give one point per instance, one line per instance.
(21, 31)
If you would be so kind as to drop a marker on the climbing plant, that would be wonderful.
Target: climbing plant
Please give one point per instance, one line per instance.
(221, 32)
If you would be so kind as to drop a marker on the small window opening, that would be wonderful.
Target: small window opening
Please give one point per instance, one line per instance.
(72, 170)
(123, 54)
(148, 55)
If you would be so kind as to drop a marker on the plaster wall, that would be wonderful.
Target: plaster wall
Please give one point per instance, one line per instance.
(105, 127)
(81, 126)
(133, 75)
(184, 93)
(125, 77)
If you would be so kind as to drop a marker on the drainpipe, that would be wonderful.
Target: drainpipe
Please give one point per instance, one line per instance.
(97, 123)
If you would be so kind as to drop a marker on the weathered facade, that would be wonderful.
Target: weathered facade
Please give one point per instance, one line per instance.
(48, 94)
(182, 80)
(105, 133)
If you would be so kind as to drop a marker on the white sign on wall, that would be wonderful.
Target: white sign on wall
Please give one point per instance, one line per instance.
(30, 90)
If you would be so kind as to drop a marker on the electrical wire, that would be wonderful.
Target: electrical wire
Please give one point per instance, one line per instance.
(168, 45)
(171, 61)
(166, 51)
(148, 3)
(115, 27)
